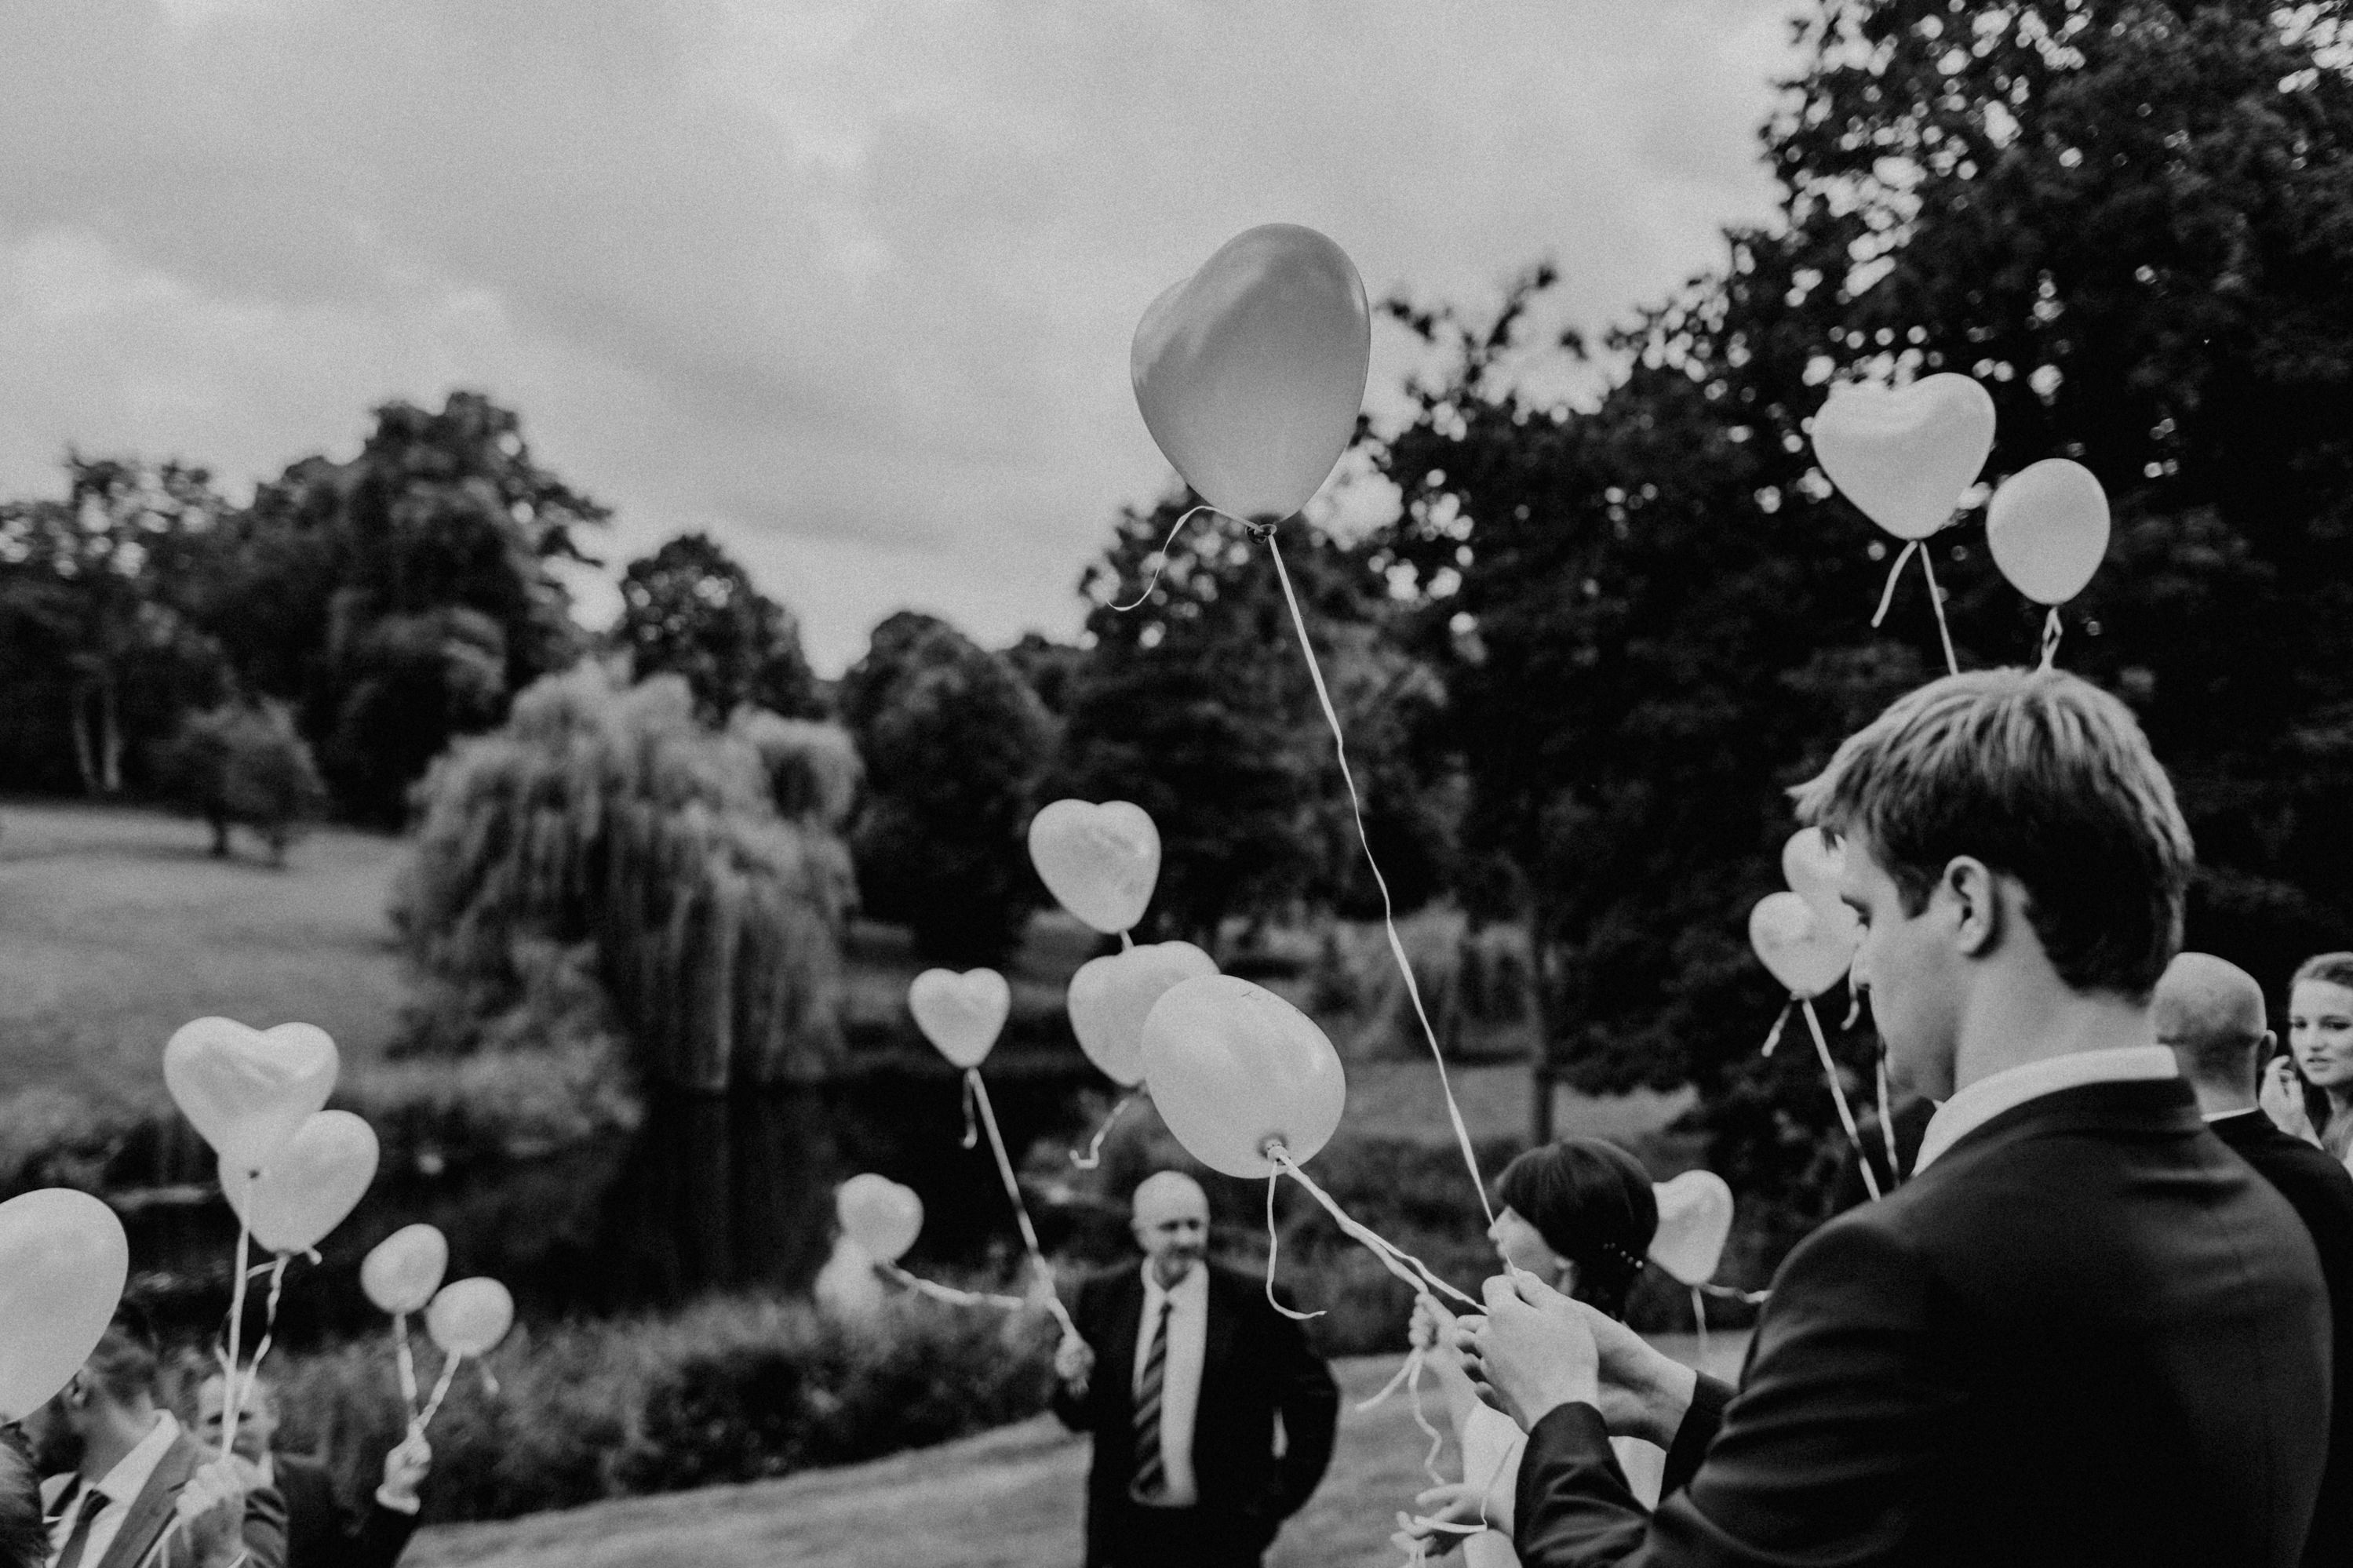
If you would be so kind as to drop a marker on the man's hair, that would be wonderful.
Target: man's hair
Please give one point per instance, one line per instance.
(1592, 1204)
(2040, 775)
(2328, 968)
(24, 1539)
(122, 1364)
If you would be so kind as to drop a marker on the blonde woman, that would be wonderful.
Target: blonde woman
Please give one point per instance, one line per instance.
(2319, 1057)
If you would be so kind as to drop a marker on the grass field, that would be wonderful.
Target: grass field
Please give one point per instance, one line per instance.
(1008, 1499)
(117, 926)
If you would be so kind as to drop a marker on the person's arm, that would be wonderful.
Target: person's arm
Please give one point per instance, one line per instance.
(264, 1531)
(1819, 1458)
(1310, 1403)
(379, 1534)
(1073, 1398)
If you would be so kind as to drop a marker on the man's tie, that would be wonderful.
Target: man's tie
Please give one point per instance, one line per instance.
(93, 1502)
(1151, 1476)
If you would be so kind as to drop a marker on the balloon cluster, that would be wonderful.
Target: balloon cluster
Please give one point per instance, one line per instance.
(401, 1276)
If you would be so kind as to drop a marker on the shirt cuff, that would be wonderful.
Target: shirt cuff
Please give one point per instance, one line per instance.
(385, 1499)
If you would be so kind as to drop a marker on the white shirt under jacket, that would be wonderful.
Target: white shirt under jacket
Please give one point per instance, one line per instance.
(1180, 1375)
(1988, 1098)
(120, 1486)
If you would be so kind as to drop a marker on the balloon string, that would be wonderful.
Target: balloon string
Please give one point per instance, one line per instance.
(1887, 594)
(1936, 603)
(406, 1362)
(1853, 1003)
(971, 1127)
(1161, 564)
(268, 1325)
(1838, 1096)
(2053, 630)
(1887, 1119)
(1274, 1252)
(1094, 1156)
(230, 1392)
(1699, 1314)
(1773, 1036)
(979, 1090)
(1395, 1259)
(1408, 1377)
(1727, 1293)
(1389, 908)
(948, 1293)
(1126, 942)
(440, 1392)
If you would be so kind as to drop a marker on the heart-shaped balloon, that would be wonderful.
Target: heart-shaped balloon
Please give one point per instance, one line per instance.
(1233, 1068)
(1814, 863)
(311, 1183)
(1099, 862)
(247, 1090)
(1807, 950)
(877, 1214)
(401, 1272)
(961, 1013)
(1111, 996)
(1904, 455)
(847, 1288)
(1251, 372)
(469, 1317)
(63, 1259)
(1695, 1218)
(2048, 529)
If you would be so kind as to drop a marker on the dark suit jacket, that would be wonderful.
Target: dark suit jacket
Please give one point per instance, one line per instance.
(2087, 1335)
(1255, 1365)
(2320, 1190)
(152, 1510)
(321, 1532)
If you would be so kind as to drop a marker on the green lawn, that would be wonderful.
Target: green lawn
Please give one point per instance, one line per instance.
(1008, 1499)
(116, 926)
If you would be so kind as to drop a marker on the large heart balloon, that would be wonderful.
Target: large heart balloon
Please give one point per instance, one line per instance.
(247, 1090)
(2048, 529)
(847, 1288)
(961, 1013)
(469, 1317)
(63, 1258)
(401, 1272)
(1111, 996)
(1807, 950)
(1251, 372)
(880, 1215)
(1099, 862)
(1233, 1068)
(1814, 862)
(311, 1183)
(1904, 455)
(1695, 1218)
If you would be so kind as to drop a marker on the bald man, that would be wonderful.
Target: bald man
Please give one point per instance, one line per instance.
(2212, 1014)
(1181, 1373)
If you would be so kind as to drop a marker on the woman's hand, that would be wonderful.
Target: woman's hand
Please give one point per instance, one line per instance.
(2282, 1098)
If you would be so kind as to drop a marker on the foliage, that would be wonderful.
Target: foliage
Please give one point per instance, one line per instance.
(244, 764)
(690, 609)
(615, 818)
(954, 742)
(814, 772)
(2131, 221)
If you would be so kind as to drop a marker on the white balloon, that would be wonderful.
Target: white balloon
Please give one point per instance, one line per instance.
(401, 1272)
(1100, 862)
(2048, 529)
(247, 1090)
(311, 1182)
(63, 1259)
(880, 1214)
(1695, 1219)
(961, 1013)
(1806, 949)
(847, 1288)
(1110, 999)
(1813, 864)
(1905, 456)
(1232, 1068)
(469, 1317)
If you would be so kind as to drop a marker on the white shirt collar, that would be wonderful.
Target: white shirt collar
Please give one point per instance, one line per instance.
(1988, 1098)
(1193, 1288)
(123, 1483)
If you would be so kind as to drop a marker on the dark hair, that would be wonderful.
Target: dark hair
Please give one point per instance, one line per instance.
(123, 1363)
(1592, 1203)
(2037, 774)
(24, 1538)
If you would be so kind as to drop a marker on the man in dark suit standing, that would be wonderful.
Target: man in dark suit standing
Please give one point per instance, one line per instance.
(1180, 1371)
(2212, 1014)
(322, 1532)
(125, 1476)
(2083, 1332)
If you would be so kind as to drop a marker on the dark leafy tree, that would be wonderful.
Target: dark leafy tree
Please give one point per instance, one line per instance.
(688, 609)
(244, 764)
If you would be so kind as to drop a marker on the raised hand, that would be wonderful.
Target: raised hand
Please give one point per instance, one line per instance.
(1074, 1363)
(2282, 1099)
(406, 1468)
(211, 1514)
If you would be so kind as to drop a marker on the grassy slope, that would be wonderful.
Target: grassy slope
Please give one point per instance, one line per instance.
(116, 927)
(1004, 1499)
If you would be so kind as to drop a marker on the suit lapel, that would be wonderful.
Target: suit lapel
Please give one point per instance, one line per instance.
(151, 1510)
(1120, 1335)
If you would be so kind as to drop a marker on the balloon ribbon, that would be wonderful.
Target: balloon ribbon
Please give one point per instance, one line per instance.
(231, 1393)
(979, 1092)
(406, 1362)
(1394, 1259)
(1094, 1156)
(1838, 1095)
(1773, 1036)
(1935, 599)
(947, 1293)
(2053, 630)
(440, 1392)
(1887, 1119)
(1161, 564)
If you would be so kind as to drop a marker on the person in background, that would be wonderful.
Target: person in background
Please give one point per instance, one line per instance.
(2319, 1057)
(1579, 1215)
(1181, 1370)
(24, 1534)
(322, 1532)
(2211, 1013)
(124, 1475)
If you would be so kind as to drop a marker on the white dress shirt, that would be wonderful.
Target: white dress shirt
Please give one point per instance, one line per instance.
(1988, 1098)
(1180, 1373)
(1492, 1446)
(120, 1486)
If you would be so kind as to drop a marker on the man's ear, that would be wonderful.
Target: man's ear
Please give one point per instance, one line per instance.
(1975, 895)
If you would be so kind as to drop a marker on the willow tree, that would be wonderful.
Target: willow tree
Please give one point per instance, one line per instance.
(613, 816)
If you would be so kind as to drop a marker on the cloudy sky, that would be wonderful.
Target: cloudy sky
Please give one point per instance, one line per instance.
(849, 285)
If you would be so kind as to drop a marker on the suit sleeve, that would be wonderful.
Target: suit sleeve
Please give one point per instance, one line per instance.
(265, 1528)
(1077, 1410)
(1821, 1457)
(1310, 1403)
(378, 1536)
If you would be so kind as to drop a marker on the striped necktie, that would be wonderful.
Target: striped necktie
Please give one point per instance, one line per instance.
(1151, 1476)
(93, 1502)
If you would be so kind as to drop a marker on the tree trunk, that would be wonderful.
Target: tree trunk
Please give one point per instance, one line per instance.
(109, 736)
(1540, 1078)
(84, 761)
(220, 838)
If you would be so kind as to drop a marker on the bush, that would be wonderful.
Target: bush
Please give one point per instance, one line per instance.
(243, 765)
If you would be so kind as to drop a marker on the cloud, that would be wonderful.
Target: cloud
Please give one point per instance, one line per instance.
(850, 286)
